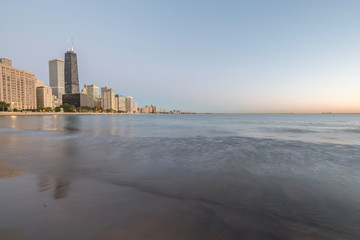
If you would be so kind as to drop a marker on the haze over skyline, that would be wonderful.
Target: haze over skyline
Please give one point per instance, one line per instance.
(204, 56)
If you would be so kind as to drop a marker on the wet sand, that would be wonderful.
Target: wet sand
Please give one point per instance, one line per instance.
(8, 172)
(97, 210)
(63, 181)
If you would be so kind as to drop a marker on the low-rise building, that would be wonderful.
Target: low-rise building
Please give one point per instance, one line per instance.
(76, 99)
(148, 109)
(44, 97)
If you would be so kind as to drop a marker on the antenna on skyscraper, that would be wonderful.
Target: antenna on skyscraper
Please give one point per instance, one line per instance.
(69, 44)
(72, 43)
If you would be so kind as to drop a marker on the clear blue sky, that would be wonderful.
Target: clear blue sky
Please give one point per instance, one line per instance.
(207, 56)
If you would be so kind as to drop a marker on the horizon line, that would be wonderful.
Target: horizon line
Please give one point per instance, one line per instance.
(279, 112)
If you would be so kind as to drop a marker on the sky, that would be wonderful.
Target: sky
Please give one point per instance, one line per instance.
(256, 56)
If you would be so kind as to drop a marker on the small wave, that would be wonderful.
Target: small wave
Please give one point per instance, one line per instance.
(292, 130)
(351, 130)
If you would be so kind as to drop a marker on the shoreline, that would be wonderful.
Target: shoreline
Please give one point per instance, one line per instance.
(92, 113)
(78, 113)
(59, 113)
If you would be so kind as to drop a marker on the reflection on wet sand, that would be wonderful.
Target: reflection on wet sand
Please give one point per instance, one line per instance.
(58, 177)
(8, 172)
(60, 185)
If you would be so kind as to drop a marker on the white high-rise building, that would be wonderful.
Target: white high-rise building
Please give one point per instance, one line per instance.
(107, 98)
(135, 107)
(122, 103)
(129, 101)
(56, 77)
(92, 94)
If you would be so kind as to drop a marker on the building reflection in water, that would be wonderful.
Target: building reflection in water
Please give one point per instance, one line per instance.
(71, 124)
(60, 185)
(7, 171)
(60, 172)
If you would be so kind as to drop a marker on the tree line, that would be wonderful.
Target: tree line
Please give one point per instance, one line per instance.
(64, 107)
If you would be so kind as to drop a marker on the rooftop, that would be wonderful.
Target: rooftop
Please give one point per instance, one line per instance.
(56, 59)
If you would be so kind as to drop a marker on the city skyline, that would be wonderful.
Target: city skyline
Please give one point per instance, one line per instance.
(20, 90)
(204, 56)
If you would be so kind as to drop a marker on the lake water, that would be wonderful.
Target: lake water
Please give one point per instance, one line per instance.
(163, 177)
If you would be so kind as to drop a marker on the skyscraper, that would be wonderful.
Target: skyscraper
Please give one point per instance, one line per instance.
(71, 72)
(72, 94)
(56, 77)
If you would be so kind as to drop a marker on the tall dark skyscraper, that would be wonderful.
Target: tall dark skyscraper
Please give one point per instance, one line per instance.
(72, 94)
(71, 72)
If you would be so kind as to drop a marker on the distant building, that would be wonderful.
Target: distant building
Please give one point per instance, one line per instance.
(92, 94)
(153, 109)
(175, 111)
(44, 97)
(84, 89)
(116, 103)
(17, 87)
(129, 101)
(147, 109)
(56, 77)
(76, 99)
(107, 98)
(71, 73)
(97, 102)
(56, 102)
(135, 107)
(122, 103)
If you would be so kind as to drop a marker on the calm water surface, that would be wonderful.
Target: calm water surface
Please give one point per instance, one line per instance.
(163, 177)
